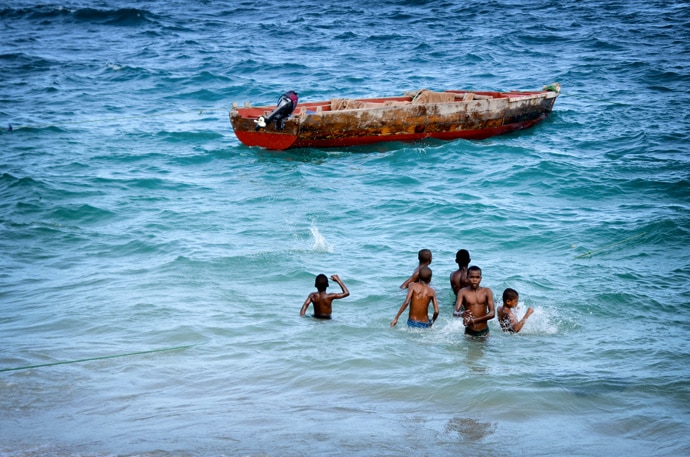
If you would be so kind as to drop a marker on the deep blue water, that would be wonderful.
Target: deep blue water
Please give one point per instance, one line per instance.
(153, 268)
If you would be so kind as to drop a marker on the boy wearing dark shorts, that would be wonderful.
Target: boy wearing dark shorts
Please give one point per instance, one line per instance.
(475, 304)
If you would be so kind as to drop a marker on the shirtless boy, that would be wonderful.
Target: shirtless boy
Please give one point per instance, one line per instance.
(458, 278)
(322, 301)
(506, 317)
(419, 295)
(475, 304)
(424, 257)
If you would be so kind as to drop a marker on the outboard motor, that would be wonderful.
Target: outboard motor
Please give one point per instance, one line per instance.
(286, 105)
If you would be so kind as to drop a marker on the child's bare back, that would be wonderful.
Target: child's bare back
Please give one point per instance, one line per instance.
(322, 300)
(419, 295)
(458, 279)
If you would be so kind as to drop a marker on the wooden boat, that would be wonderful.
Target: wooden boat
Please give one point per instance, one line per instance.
(414, 116)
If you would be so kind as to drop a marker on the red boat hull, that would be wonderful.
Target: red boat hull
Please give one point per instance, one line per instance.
(321, 125)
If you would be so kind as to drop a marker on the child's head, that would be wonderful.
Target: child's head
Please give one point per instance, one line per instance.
(462, 257)
(474, 276)
(424, 256)
(425, 275)
(321, 282)
(510, 297)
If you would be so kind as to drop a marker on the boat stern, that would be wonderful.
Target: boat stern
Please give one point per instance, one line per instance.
(243, 121)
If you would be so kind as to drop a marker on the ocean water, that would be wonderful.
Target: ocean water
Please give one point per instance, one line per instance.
(153, 267)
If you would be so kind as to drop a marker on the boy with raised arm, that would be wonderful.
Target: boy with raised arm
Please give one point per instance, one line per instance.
(419, 295)
(475, 304)
(424, 256)
(321, 300)
(506, 317)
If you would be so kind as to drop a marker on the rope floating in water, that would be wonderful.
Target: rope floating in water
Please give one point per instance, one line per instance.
(28, 367)
(608, 246)
(199, 111)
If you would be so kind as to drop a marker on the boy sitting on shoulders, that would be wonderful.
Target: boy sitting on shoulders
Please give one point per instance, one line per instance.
(424, 257)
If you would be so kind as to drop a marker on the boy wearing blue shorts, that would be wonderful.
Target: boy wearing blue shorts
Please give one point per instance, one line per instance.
(419, 295)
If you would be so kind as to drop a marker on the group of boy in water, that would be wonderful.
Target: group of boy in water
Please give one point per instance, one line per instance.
(474, 304)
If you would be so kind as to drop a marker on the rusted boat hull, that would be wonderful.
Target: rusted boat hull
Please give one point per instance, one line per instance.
(478, 115)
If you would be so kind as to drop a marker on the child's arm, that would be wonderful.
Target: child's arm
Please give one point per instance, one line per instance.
(458, 301)
(411, 279)
(402, 308)
(407, 282)
(303, 311)
(343, 287)
(434, 300)
(516, 327)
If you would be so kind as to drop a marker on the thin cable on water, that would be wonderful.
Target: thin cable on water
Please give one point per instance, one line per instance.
(591, 98)
(65, 362)
(590, 253)
(11, 127)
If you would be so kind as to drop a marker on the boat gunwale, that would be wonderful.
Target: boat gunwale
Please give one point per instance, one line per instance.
(300, 110)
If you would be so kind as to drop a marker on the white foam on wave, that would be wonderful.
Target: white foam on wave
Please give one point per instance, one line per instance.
(450, 330)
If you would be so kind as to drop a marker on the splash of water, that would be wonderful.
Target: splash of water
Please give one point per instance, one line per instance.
(320, 244)
(543, 321)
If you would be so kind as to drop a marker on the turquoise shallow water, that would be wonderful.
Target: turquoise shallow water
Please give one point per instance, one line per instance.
(134, 224)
